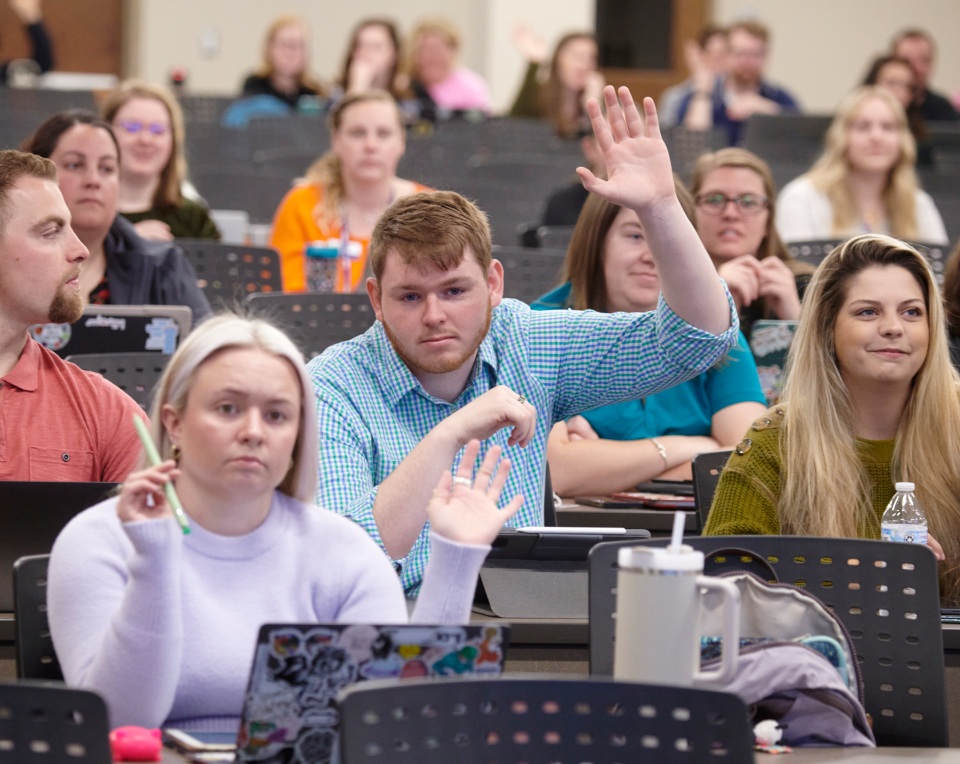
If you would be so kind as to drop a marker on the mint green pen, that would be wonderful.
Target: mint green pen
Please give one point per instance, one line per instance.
(154, 458)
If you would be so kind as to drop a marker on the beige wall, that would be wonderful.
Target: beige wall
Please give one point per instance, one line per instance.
(821, 48)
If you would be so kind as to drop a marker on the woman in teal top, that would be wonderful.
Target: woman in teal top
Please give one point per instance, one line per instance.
(612, 448)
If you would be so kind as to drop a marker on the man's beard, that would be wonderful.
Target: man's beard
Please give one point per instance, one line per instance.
(440, 365)
(66, 308)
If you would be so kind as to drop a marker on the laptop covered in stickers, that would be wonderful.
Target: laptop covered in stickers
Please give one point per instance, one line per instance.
(290, 710)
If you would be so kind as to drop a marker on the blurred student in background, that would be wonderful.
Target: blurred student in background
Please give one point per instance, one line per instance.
(344, 191)
(285, 70)
(917, 47)
(436, 77)
(728, 101)
(573, 79)
(148, 125)
(865, 181)
(707, 58)
(372, 61)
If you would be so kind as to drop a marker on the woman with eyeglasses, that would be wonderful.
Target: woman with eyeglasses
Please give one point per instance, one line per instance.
(148, 124)
(735, 200)
(865, 181)
(123, 268)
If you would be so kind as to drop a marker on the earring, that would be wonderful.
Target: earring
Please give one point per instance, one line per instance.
(176, 453)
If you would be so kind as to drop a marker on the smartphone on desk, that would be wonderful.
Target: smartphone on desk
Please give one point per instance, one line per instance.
(202, 746)
(656, 500)
(658, 485)
(608, 502)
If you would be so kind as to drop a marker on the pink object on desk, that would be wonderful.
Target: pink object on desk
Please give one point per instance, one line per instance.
(135, 744)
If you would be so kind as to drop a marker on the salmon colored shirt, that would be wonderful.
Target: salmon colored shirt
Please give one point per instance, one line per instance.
(295, 226)
(60, 423)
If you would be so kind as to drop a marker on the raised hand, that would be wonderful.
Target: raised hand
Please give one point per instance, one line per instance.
(638, 164)
(142, 496)
(532, 46)
(468, 514)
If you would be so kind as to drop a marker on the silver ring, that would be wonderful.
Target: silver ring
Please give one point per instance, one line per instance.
(463, 481)
(522, 399)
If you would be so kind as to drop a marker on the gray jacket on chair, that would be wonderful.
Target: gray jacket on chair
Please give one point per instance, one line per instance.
(143, 272)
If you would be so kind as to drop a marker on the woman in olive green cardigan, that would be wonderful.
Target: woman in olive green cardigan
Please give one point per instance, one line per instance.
(870, 398)
(573, 80)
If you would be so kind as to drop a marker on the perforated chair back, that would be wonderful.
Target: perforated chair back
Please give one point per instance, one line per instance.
(706, 474)
(886, 594)
(316, 320)
(136, 374)
(227, 273)
(813, 252)
(528, 274)
(794, 137)
(36, 658)
(479, 720)
(41, 723)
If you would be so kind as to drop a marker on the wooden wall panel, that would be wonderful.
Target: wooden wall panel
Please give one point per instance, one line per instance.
(87, 34)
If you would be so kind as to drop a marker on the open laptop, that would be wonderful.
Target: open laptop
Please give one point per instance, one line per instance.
(118, 329)
(32, 514)
(290, 710)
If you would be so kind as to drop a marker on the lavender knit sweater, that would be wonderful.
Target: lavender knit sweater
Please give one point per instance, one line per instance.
(164, 625)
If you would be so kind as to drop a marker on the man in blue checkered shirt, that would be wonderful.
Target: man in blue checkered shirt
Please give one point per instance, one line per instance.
(450, 361)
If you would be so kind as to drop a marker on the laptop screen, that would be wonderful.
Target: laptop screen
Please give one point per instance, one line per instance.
(290, 710)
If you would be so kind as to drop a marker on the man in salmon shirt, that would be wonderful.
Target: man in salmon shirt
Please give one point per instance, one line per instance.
(57, 422)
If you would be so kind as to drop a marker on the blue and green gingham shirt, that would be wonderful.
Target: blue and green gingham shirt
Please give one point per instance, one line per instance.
(372, 411)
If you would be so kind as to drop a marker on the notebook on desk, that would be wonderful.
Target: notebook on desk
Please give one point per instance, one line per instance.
(290, 709)
(32, 514)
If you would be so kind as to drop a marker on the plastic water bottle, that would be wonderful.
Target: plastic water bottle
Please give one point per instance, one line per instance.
(903, 520)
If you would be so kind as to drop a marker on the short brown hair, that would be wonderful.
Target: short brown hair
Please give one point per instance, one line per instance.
(168, 195)
(15, 165)
(753, 28)
(433, 227)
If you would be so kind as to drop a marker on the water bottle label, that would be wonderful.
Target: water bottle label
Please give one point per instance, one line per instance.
(905, 533)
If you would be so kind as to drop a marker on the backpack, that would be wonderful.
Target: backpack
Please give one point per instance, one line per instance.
(796, 664)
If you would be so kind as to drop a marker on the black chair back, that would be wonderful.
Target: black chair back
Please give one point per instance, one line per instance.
(706, 475)
(886, 594)
(317, 320)
(555, 236)
(478, 720)
(40, 723)
(258, 192)
(549, 508)
(228, 273)
(136, 374)
(529, 273)
(36, 658)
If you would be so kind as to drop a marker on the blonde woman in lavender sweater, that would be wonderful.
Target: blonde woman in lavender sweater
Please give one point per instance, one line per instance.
(163, 624)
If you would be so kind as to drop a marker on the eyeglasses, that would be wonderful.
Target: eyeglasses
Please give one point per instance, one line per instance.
(136, 125)
(715, 204)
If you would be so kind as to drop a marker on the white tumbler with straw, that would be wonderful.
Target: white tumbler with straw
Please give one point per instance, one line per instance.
(658, 615)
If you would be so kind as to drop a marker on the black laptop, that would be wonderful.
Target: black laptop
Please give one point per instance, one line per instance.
(32, 514)
(118, 329)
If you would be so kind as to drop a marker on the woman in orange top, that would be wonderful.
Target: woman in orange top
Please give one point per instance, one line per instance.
(345, 191)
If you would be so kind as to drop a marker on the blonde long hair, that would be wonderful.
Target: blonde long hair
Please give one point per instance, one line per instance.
(327, 171)
(304, 79)
(825, 491)
(831, 173)
(168, 195)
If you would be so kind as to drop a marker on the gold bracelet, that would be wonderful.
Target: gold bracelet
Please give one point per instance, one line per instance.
(662, 451)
